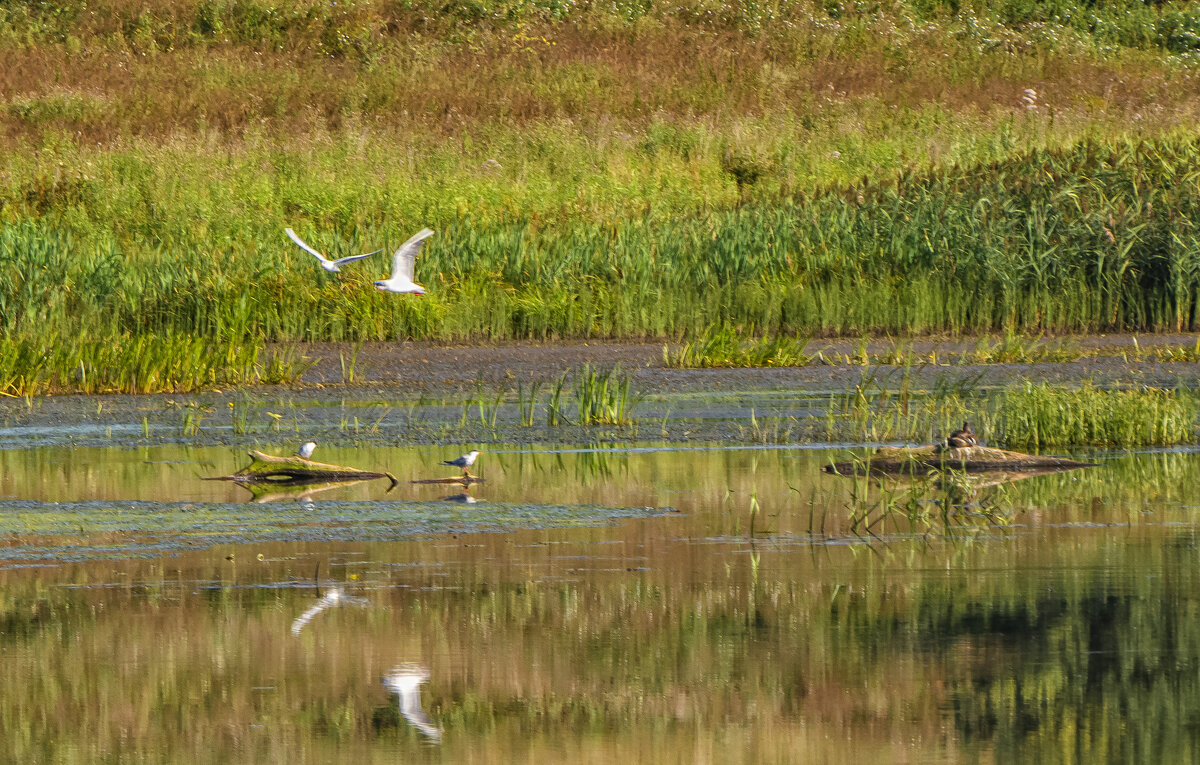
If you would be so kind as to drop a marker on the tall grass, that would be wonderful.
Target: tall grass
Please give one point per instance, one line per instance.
(726, 346)
(1092, 237)
(143, 364)
(802, 168)
(603, 397)
(1032, 416)
(1043, 415)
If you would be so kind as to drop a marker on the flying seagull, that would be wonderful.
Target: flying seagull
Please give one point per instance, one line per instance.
(465, 462)
(402, 266)
(306, 449)
(332, 266)
(405, 681)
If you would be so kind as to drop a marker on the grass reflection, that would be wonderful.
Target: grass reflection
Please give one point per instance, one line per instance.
(1051, 619)
(1004, 653)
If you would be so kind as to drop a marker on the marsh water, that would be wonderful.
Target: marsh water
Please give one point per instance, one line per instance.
(670, 602)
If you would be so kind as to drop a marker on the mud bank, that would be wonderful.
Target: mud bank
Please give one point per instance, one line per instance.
(437, 369)
(394, 380)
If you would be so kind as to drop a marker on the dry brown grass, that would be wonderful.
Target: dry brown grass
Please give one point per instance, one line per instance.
(169, 83)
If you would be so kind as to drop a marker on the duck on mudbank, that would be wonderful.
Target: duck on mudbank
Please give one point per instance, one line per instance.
(962, 437)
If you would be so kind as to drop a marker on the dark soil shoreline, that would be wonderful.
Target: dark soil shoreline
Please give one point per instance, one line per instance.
(433, 369)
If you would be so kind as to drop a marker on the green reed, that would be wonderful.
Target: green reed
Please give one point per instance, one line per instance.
(527, 402)
(1044, 415)
(603, 397)
(554, 405)
(1089, 237)
(1032, 416)
(726, 346)
(142, 364)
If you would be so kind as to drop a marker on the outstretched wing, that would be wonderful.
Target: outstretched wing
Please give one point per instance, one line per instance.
(402, 261)
(352, 258)
(406, 682)
(292, 235)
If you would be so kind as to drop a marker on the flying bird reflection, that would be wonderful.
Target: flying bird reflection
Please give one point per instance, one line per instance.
(405, 681)
(332, 596)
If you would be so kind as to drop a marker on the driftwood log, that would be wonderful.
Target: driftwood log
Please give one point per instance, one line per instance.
(267, 468)
(891, 460)
(464, 480)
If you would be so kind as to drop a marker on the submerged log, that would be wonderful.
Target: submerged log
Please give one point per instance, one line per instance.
(891, 460)
(267, 468)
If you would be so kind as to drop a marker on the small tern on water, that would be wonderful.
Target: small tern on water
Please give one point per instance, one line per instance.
(306, 449)
(402, 266)
(332, 266)
(465, 462)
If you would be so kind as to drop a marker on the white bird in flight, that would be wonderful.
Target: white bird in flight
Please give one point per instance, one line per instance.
(402, 266)
(465, 462)
(306, 449)
(332, 266)
(405, 681)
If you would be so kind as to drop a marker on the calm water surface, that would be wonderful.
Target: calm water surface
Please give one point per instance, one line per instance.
(705, 603)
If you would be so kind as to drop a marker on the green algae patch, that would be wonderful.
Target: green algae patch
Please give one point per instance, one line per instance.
(78, 531)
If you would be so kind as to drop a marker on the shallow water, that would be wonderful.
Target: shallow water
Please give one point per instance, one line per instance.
(704, 602)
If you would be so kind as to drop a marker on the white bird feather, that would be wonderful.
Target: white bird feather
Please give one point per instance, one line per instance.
(332, 266)
(403, 266)
(405, 681)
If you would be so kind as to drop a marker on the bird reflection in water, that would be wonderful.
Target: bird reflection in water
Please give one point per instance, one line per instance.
(331, 596)
(463, 497)
(405, 681)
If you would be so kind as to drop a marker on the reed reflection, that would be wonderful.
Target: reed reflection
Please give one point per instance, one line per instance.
(405, 681)
(331, 596)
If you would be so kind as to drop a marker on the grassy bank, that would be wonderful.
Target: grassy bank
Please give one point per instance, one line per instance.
(1027, 417)
(635, 170)
(145, 364)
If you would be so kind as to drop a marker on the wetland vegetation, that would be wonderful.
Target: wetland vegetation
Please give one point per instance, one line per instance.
(733, 179)
(811, 169)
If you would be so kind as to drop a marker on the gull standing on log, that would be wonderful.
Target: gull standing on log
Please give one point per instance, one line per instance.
(402, 266)
(465, 462)
(306, 449)
(332, 266)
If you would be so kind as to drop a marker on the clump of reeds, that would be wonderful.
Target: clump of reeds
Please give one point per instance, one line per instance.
(603, 397)
(1042, 415)
(727, 346)
(142, 364)
(1033, 416)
